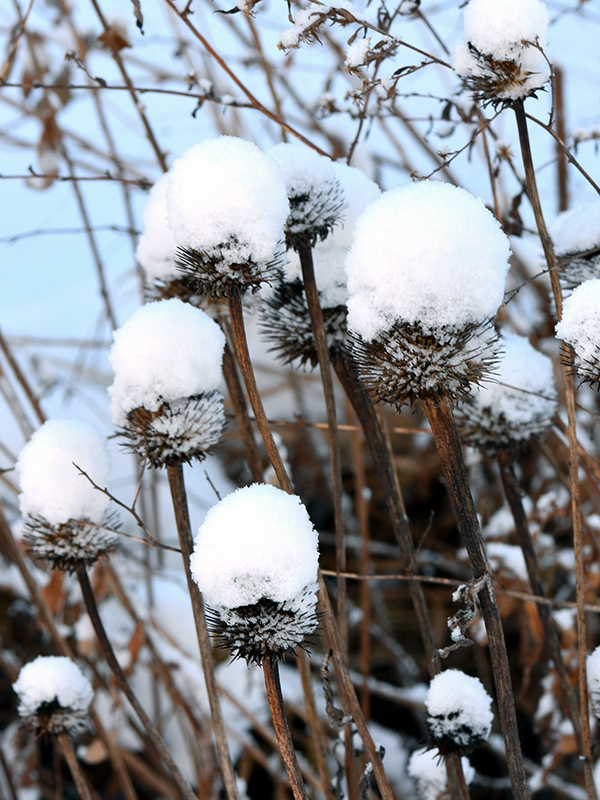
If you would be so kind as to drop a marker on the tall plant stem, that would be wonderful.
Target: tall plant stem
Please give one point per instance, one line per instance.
(316, 727)
(550, 257)
(282, 730)
(443, 426)
(115, 667)
(182, 518)
(320, 338)
(66, 745)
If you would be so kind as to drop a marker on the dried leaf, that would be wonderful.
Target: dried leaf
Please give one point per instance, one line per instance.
(115, 38)
(54, 593)
(135, 645)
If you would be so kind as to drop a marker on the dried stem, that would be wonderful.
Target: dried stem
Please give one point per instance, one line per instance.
(182, 517)
(66, 745)
(316, 727)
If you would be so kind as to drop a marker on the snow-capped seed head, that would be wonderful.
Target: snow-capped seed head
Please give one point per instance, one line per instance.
(593, 679)
(255, 561)
(428, 771)
(314, 194)
(459, 711)
(517, 405)
(156, 246)
(426, 273)
(501, 58)
(576, 238)
(580, 328)
(227, 205)
(65, 517)
(54, 695)
(167, 364)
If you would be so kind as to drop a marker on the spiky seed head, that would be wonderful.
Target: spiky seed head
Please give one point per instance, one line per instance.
(285, 321)
(179, 430)
(459, 712)
(580, 328)
(54, 695)
(408, 363)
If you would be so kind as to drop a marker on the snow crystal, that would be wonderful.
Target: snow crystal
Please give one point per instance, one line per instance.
(580, 323)
(577, 230)
(156, 246)
(51, 486)
(228, 198)
(428, 253)
(357, 52)
(593, 679)
(428, 770)
(495, 33)
(52, 678)
(459, 709)
(165, 351)
(258, 542)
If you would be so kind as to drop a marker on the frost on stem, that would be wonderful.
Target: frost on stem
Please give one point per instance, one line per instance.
(459, 715)
(428, 771)
(54, 695)
(255, 561)
(64, 515)
(580, 328)
(518, 404)
(285, 319)
(576, 238)
(227, 205)
(501, 57)
(167, 364)
(426, 274)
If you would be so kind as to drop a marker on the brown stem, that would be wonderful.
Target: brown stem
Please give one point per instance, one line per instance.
(115, 667)
(316, 727)
(182, 517)
(320, 338)
(457, 784)
(561, 160)
(443, 427)
(282, 730)
(66, 745)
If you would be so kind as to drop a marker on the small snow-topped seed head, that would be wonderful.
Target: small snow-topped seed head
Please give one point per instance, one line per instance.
(428, 771)
(517, 405)
(54, 695)
(593, 679)
(459, 711)
(227, 205)
(426, 273)
(580, 328)
(576, 237)
(167, 362)
(313, 192)
(156, 246)
(255, 561)
(501, 57)
(63, 513)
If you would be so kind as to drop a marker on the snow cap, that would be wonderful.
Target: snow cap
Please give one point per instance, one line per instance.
(258, 542)
(51, 486)
(459, 710)
(156, 246)
(577, 230)
(427, 253)
(166, 351)
(580, 327)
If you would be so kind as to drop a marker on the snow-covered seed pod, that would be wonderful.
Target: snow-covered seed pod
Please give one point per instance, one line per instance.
(426, 274)
(459, 714)
(54, 695)
(501, 58)
(66, 519)
(255, 561)
(576, 238)
(428, 771)
(517, 405)
(580, 328)
(167, 364)
(314, 193)
(285, 320)
(227, 205)
(593, 680)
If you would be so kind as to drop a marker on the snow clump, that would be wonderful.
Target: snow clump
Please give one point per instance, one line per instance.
(428, 771)
(575, 233)
(501, 56)
(54, 694)
(459, 711)
(156, 246)
(580, 328)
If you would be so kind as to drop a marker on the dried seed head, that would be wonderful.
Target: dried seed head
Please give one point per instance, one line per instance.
(459, 711)
(314, 193)
(54, 695)
(576, 238)
(407, 362)
(518, 404)
(580, 328)
(285, 321)
(179, 430)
